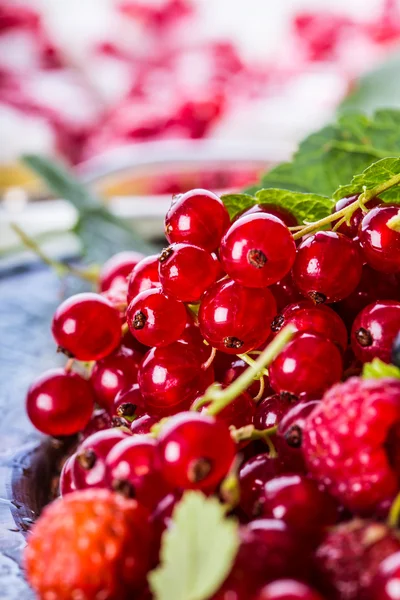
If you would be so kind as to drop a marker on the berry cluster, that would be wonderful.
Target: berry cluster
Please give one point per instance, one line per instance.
(231, 364)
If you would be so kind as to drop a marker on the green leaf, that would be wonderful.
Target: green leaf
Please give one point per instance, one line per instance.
(305, 207)
(237, 203)
(377, 369)
(330, 157)
(375, 175)
(197, 551)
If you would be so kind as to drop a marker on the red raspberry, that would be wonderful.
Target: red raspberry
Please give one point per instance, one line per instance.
(350, 555)
(349, 442)
(103, 547)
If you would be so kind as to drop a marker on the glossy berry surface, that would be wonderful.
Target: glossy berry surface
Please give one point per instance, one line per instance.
(359, 419)
(310, 318)
(380, 244)
(351, 229)
(186, 271)
(309, 363)
(86, 327)
(257, 250)
(116, 270)
(59, 403)
(327, 267)
(299, 502)
(170, 379)
(253, 474)
(143, 277)
(195, 451)
(274, 210)
(156, 319)
(197, 217)
(385, 584)
(67, 483)
(133, 470)
(374, 331)
(88, 466)
(142, 425)
(288, 589)
(128, 403)
(350, 557)
(99, 421)
(285, 292)
(236, 319)
(113, 373)
(272, 409)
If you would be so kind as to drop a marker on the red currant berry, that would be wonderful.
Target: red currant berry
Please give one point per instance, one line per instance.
(86, 327)
(375, 330)
(327, 267)
(59, 403)
(186, 271)
(113, 373)
(194, 343)
(289, 438)
(196, 451)
(285, 292)
(197, 217)
(170, 379)
(236, 319)
(132, 470)
(380, 244)
(306, 316)
(288, 589)
(128, 404)
(89, 462)
(99, 421)
(257, 250)
(143, 277)
(142, 424)
(116, 270)
(299, 502)
(272, 409)
(156, 319)
(227, 368)
(253, 474)
(309, 363)
(271, 209)
(373, 286)
(116, 296)
(351, 229)
(385, 584)
(238, 413)
(67, 484)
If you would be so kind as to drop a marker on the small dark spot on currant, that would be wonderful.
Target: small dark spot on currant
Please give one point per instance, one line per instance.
(139, 320)
(127, 409)
(119, 422)
(277, 323)
(256, 258)
(65, 352)
(87, 459)
(233, 342)
(123, 487)
(199, 469)
(294, 436)
(289, 397)
(165, 254)
(317, 297)
(364, 337)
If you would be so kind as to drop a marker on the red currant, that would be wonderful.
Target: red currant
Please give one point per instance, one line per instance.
(306, 316)
(143, 424)
(195, 450)
(351, 229)
(288, 589)
(381, 244)
(170, 379)
(327, 267)
(116, 296)
(59, 403)
(274, 210)
(375, 329)
(257, 250)
(128, 403)
(253, 474)
(236, 319)
(227, 368)
(88, 464)
(192, 339)
(186, 271)
(113, 373)
(143, 277)
(67, 484)
(197, 217)
(115, 271)
(385, 584)
(99, 420)
(285, 292)
(86, 327)
(309, 363)
(156, 319)
(272, 409)
(130, 341)
(132, 470)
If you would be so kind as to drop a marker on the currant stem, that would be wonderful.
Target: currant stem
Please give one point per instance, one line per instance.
(248, 432)
(394, 513)
(251, 362)
(221, 398)
(69, 364)
(261, 390)
(210, 359)
(124, 329)
(60, 268)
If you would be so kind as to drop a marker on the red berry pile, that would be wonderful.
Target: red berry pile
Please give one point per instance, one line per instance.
(234, 364)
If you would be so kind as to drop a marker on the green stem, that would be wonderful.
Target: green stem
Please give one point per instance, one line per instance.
(60, 268)
(220, 398)
(394, 513)
(250, 433)
(251, 362)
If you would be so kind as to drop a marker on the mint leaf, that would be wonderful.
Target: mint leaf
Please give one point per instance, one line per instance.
(330, 157)
(377, 369)
(305, 207)
(197, 551)
(376, 174)
(237, 203)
